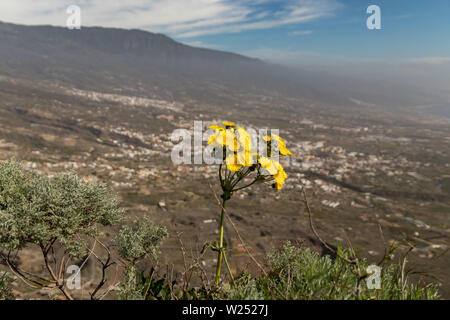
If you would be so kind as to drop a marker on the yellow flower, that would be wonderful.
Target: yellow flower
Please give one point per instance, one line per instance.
(223, 137)
(212, 139)
(240, 153)
(217, 137)
(216, 127)
(283, 150)
(281, 144)
(232, 163)
(269, 165)
(246, 158)
(231, 141)
(245, 140)
(275, 169)
(280, 177)
(278, 138)
(228, 124)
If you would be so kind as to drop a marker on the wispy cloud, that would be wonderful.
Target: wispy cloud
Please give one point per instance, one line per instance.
(182, 19)
(300, 33)
(201, 44)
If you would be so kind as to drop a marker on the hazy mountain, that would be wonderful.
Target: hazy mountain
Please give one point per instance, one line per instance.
(75, 56)
(144, 63)
(55, 42)
(103, 59)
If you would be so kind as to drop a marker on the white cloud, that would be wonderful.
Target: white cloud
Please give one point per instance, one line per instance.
(178, 18)
(201, 44)
(300, 33)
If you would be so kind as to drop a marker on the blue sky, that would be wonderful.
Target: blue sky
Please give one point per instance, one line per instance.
(287, 31)
(411, 30)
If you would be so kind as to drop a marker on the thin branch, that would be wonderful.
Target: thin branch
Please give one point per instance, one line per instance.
(105, 266)
(311, 224)
(60, 284)
(30, 282)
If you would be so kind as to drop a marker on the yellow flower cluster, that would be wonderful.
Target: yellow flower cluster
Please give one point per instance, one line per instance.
(237, 143)
(281, 144)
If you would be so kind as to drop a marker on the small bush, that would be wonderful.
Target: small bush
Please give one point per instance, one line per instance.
(65, 213)
(302, 274)
(136, 243)
(141, 240)
(38, 210)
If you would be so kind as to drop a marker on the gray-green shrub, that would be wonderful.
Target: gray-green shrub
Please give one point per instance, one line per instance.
(302, 274)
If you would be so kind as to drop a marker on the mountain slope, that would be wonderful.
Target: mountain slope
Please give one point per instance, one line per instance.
(75, 56)
(146, 64)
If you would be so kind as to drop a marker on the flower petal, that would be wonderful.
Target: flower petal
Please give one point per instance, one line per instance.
(232, 164)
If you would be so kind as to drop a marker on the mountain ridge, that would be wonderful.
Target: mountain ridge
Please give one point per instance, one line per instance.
(101, 59)
(101, 38)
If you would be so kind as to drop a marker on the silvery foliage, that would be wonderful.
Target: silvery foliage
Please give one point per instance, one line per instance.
(40, 210)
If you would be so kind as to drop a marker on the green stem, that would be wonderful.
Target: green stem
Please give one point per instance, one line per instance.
(228, 266)
(249, 185)
(220, 175)
(220, 255)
